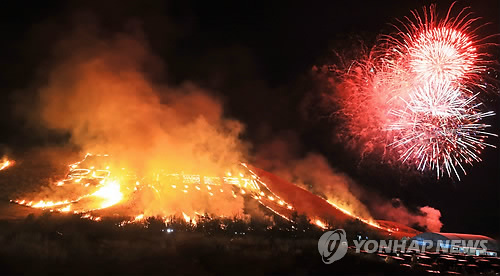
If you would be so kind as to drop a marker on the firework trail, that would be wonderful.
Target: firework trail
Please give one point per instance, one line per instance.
(422, 87)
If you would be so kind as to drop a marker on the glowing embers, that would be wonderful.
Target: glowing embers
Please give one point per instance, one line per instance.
(90, 217)
(94, 169)
(263, 194)
(235, 184)
(182, 178)
(5, 163)
(41, 203)
(347, 212)
(208, 184)
(321, 224)
(189, 178)
(137, 219)
(212, 180)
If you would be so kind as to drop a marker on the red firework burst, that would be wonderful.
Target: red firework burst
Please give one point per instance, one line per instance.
(430, 49)
(440, 128)
(421, 87)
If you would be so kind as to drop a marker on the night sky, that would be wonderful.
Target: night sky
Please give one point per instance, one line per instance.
(257, 57)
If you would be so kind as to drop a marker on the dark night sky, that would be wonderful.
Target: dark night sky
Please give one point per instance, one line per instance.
(257, 56)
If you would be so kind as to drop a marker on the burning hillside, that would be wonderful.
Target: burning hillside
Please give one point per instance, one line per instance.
(96, 187)
(96, 183)
(166, 149)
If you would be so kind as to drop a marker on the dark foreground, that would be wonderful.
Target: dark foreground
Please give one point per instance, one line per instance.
(64, 244)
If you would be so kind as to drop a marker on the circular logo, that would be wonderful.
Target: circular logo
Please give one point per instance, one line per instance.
(332, 246)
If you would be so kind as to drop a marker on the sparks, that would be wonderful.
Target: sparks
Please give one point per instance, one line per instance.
(440, 129)
(433, 49)
(421, 86)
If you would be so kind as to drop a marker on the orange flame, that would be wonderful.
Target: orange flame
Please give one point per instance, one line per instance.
(320, 224)
(5, 163)
(110, 192)
(369, 222)
(188, 219)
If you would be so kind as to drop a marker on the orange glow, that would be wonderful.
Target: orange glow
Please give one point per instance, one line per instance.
(188, 219)
(320, 224)
(88, 216)
(66, 209)
(43, 204)
(106, 190)
(5, 163)
(369, 222)
(110, 192)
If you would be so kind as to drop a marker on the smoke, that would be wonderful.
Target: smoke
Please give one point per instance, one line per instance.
(313, 173)
(426, 217)
(432, 218)
(110, 94)
(106, 93)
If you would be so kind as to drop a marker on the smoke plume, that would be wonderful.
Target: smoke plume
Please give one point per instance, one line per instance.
(107, 94)
(426, 217)
(313, 173)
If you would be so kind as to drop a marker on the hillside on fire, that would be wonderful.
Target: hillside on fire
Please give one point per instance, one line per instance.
(97, 186)
(261, 138)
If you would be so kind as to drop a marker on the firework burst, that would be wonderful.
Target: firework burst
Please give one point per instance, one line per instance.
(440, 128)
(420, 89)
(439, 125)
(430, 49)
